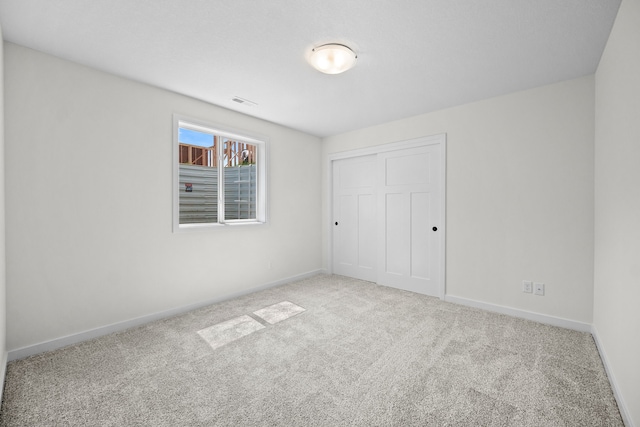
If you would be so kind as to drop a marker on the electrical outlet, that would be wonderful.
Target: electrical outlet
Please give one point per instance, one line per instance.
(527, 286)
(538, 289)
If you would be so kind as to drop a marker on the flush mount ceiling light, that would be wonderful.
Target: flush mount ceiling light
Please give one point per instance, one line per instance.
(332, 58)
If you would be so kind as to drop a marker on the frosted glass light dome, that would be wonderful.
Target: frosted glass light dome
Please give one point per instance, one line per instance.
(332, 58)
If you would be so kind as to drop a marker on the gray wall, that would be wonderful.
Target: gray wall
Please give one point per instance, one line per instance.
(519, 195)
(616, 318)
(89, 204)
(3, 306)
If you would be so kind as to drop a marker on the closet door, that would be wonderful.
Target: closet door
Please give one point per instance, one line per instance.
(408, 208)
(354, 217)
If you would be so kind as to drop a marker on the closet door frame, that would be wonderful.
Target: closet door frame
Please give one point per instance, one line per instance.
(439, 139)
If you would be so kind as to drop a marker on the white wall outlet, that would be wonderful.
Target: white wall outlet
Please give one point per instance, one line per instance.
(527, 286)
(538, 289)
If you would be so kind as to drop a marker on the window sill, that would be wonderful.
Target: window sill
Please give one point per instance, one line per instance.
(216, 226)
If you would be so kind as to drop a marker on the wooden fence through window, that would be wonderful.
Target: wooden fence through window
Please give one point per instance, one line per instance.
(235, 153)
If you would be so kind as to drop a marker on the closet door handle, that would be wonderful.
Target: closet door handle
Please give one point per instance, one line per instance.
(435, 228)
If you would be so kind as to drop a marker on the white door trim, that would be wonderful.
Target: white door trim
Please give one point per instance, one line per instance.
(439, 139)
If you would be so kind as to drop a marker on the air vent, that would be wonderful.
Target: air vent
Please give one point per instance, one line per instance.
(243, 101)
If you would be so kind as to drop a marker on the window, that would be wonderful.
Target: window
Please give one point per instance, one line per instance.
(219, 176)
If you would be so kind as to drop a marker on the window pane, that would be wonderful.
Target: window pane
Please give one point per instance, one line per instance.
(198, 177)
(219, 176)
(240, 179)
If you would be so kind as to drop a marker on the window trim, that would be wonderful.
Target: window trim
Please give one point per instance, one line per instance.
(262, 144)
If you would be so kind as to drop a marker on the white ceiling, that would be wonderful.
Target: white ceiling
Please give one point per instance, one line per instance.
(414, 56)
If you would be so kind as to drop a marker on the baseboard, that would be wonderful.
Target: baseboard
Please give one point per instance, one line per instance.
(3, 371)
(529, 315)
(624, 411)
(54, 344)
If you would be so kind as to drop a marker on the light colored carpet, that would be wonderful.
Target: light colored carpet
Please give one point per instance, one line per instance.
(278, 312)
(230, 330)
(358, 355)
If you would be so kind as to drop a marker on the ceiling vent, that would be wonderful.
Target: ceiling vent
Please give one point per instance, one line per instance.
(243, 101)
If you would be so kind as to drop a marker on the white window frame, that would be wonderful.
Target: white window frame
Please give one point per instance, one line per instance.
(261, 142)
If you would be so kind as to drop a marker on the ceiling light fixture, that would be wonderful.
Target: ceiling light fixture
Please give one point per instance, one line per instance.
(332, 58)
